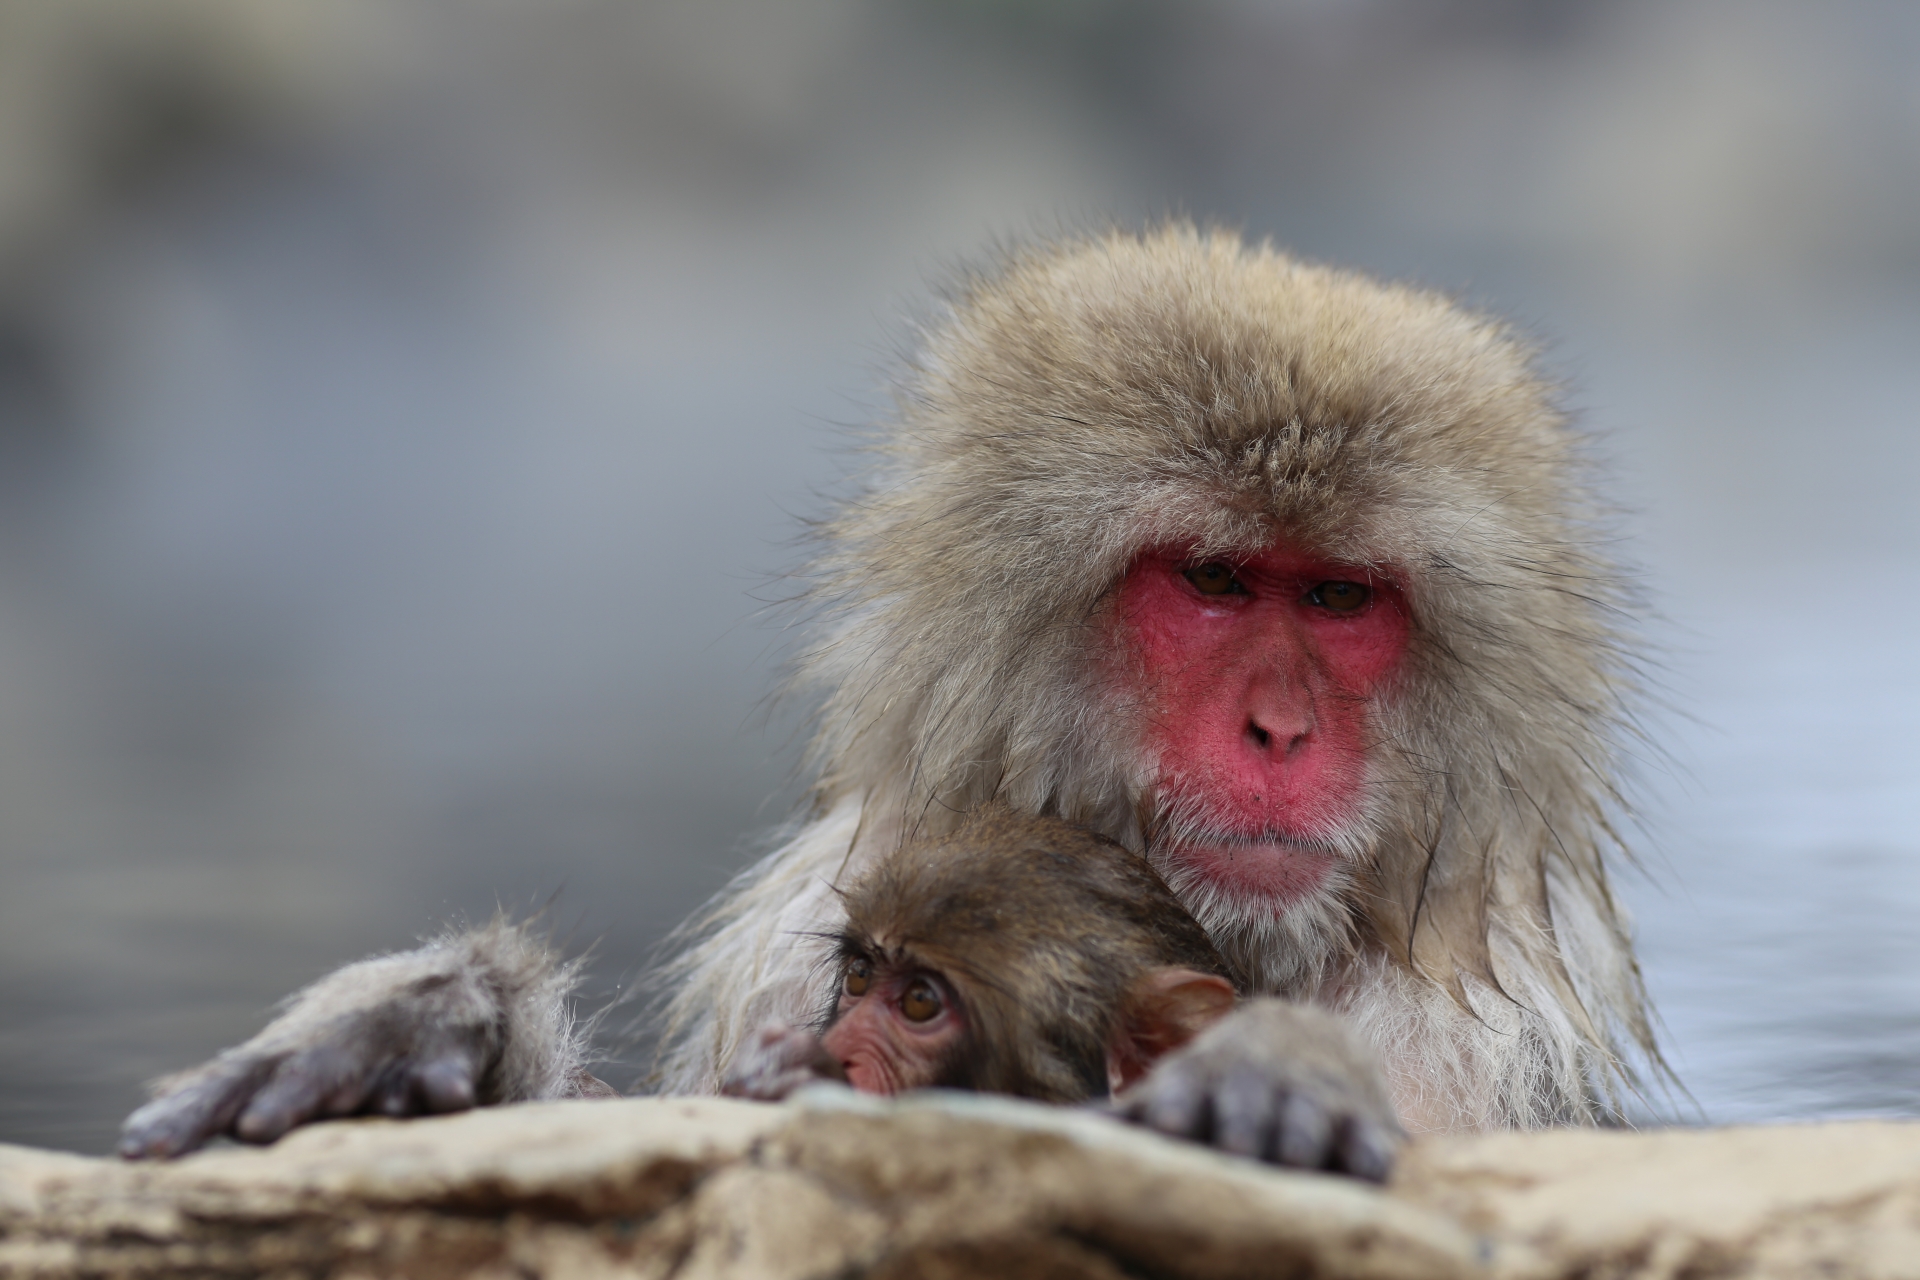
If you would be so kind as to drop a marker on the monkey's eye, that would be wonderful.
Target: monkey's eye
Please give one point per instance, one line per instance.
(1214, 579)
(1341, 597)
(859, 977)
(920, 1002)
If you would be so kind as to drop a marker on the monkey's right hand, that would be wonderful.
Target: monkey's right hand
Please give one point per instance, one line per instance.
(1282, 1082)
(778, 1059)
(474, 1018)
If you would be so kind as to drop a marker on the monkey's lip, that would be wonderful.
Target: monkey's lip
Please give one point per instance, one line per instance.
(1278, 867)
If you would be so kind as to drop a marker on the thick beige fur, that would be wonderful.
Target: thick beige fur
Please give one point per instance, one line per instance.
(1088, 399)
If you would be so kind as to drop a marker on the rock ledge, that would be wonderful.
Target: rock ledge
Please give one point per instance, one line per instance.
(834, 1185)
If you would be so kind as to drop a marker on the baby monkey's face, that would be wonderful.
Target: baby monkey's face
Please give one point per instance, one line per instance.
(1016, 955)
(897, 1023)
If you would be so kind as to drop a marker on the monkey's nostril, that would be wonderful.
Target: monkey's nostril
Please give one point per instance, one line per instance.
(1261, 737)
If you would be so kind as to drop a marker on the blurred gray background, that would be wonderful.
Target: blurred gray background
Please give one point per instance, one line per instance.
(406, 407)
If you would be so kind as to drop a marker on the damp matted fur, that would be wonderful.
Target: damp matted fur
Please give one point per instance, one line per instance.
(1082, 401)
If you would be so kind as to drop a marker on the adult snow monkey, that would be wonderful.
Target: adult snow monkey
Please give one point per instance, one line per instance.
(1283, 578)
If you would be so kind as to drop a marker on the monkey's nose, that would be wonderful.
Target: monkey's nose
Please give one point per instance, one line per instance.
(1279, 745)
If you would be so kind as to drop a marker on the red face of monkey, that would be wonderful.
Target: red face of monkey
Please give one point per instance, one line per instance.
(894, 1028)
(1260, 679)
(899, 1024)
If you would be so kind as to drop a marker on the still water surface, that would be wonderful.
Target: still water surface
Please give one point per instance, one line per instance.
(1780, 926)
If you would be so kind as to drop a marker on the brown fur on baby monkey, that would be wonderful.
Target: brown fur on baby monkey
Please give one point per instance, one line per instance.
(1018, 955)
(1029, 957)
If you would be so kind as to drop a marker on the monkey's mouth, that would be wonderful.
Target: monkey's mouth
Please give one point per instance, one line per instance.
(1278, 867)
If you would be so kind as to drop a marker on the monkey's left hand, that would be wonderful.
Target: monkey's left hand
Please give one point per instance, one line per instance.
(776, 1060)
(1281, 1082)
(472, 1018)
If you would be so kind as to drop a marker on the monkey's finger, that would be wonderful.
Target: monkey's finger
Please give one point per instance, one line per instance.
(822, 1065)
(788, 1049)
(445, 1084)
(770, 1037)
(182, 1119)
(1243, 1113)
(1179, 1104)
(278, 1109)
(778, 1088)
(777, 1060)
(168, 1126)
(348, 1096)
(765, 1084)
(1130, 1106)
(1366, 1150)
(320, 1082)
(1305, 1137)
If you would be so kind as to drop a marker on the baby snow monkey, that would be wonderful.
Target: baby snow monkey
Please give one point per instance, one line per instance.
(1029, 957)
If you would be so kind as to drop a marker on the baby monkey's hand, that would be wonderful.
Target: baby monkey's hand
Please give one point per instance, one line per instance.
(778, 1059)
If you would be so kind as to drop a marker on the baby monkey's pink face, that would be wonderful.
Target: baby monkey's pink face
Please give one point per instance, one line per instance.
(895, 1027)
(900, 1024)
(1261, 680)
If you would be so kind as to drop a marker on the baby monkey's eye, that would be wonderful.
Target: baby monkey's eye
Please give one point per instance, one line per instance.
(1214, 579)
(1341, 597)
(920, 1002)
(859, 977)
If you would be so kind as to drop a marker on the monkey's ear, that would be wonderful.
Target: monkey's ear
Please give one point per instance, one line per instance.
(1165, 1008)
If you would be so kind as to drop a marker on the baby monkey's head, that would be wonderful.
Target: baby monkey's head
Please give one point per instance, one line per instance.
(1017, 955)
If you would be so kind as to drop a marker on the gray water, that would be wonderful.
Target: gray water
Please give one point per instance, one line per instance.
(1779, 934)
(406, 417)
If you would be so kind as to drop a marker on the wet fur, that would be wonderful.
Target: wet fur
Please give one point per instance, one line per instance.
(1079, 402)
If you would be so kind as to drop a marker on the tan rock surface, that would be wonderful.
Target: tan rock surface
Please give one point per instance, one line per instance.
(956, 1186)
(1788, 1200)
(833, 1185)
